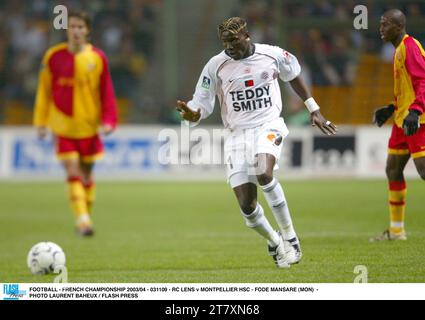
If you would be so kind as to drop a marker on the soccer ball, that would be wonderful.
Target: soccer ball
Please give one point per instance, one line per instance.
(44, 257)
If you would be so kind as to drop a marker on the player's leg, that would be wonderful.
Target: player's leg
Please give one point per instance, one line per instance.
(273, 192)
(244, 185)
(417, 150)
(267, 149)
(398, 156)
(396, 197)
(420, 166)
(237, 149)
(89, 184)
(77, 196)
(275, 197)
(397, 193)
(253, 214)
(91, 150)
(67, 151)
(251, 210)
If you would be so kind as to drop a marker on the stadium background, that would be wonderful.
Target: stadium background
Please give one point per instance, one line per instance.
(156, 50)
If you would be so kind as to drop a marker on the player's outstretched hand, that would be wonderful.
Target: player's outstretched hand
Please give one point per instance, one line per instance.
(411, 123)
(381, 115)
(187, 113)
(318, 120)
(41, 132)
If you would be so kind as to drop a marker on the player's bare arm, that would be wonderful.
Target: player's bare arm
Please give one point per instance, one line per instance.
(316, 117)
(187, 113)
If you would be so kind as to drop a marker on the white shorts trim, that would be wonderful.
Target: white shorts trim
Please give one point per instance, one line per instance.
(240, 178)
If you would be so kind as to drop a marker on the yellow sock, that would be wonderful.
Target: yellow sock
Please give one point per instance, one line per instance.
(90, 191)
(397, 197)
(77, 197)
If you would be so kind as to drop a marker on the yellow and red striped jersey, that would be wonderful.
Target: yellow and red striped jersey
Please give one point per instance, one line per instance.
(75, 92)
(409, 79)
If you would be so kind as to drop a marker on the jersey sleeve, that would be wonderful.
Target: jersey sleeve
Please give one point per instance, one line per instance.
(107, 95)
(205, 92)
(44, 94)
(288, 65)
(415, 65)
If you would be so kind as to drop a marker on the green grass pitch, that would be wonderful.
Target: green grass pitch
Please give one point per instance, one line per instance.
(178, 232)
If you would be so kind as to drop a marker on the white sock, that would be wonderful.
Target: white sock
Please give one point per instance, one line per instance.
(258, 221)
(276, 200)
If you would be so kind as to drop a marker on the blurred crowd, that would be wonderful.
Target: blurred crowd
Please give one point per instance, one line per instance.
(319, 32)
(320, 39)
(124, 29)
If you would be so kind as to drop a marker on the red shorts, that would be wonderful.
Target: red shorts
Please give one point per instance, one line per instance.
(401, 144)
(86, 150)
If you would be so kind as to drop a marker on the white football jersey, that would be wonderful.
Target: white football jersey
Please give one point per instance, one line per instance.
(247, 89)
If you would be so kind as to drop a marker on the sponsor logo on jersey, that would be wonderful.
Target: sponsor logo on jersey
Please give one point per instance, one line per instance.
(251, 99)
(206, 83)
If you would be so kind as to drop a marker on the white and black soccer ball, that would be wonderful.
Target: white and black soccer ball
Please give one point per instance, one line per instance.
(44, 257)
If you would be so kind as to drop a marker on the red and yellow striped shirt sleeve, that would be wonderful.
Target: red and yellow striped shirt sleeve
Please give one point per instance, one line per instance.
(107, 95)
(415, 65)
(44, 93)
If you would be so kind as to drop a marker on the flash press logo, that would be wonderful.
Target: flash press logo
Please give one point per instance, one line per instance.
(12, 292)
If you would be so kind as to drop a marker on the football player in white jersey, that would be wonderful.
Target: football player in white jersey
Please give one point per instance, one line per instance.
(244, 77)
